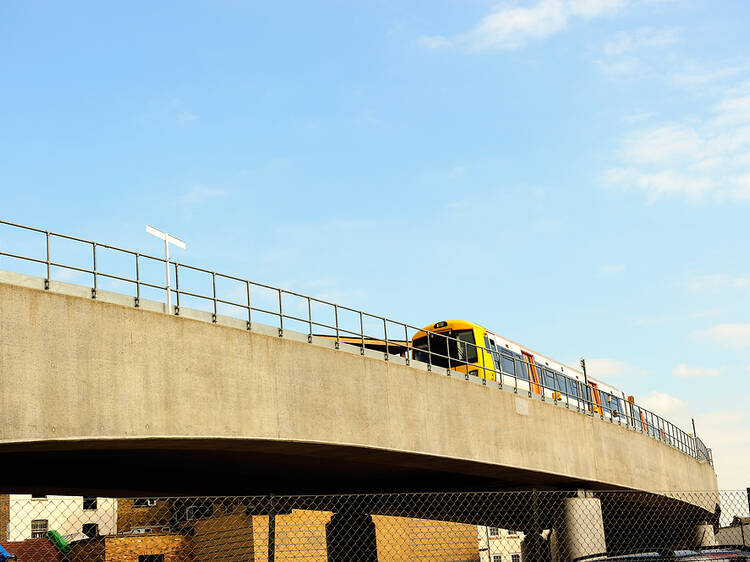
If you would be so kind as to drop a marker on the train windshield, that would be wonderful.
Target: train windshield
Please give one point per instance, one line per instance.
(461, 350)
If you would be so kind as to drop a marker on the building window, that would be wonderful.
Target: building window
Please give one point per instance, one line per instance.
(497, 558)
(38, 528)
(89, 503)
(91, 530)
(515, 558)
(151, 558)
(494, 531)
(144, 502)
(38, 496)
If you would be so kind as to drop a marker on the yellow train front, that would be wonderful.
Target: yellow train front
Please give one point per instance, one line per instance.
(453, 345)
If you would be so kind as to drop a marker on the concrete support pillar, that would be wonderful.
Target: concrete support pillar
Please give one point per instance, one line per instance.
(580, 530)
(350, 537)
(704, 535)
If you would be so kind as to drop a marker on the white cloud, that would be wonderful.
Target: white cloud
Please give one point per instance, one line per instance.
(717, 282)
(201, 194)
(669, 407)
(699, 75)
(639, 116)
(727, 433)
(604, 368)
(646, 37)
(611, 269)
(700, 159)
(682, 370)
(511, 26)
(726, 335)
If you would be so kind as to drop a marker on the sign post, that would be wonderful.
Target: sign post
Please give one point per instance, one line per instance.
(168, 239)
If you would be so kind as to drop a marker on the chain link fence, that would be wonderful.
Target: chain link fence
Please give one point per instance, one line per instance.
(477, 526)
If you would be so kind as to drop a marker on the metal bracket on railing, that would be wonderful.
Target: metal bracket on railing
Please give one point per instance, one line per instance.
(249, 325)
(466, 376)
(337, 345)
(281, 332)
(429, 368)
(361, 350)
(448, 372)
(176, 310)
(136, 302)
(309, 338)
(93, 293)
(213, 318)
(46, 284)
(385, 356)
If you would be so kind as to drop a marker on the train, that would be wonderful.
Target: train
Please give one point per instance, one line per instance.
(469, 348)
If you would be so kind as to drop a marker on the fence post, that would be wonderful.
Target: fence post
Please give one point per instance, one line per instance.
(271, 529)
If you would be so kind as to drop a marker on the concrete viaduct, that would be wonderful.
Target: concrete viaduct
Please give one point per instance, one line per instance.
(99, 397)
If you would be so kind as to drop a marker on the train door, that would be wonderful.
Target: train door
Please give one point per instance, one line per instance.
(596, 400)
(533, 373)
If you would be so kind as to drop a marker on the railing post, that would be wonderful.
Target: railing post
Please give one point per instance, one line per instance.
(336, 317)
(177, 288)
(93, 290)
(406, 343)
(137, 281)
(385, 335)
(281, 316)
(47, 280)
(213, 281)
(362, 333)
(429, 351)
(309, 320)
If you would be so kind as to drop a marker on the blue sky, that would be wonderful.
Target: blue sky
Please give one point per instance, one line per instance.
(572, 174)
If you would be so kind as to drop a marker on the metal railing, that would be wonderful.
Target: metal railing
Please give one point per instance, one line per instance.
(286, 309)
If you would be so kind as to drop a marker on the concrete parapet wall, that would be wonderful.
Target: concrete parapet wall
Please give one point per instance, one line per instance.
(74, 369)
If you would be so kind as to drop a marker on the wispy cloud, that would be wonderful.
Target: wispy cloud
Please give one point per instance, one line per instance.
(683, 370)
(699, 159)
(611, 269)
(700, 74)
(670, 407)
(625, 42)
(727, 432)
(726, 335)
(512, 26)
(624, 53)
(200, 194)
(605, 368)
(718, 281)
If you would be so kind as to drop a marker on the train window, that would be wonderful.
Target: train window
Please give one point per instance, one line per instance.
(507, 364)
(461, 352)
(549, 379)
(521, 369)
(560, 383)
(572, 387)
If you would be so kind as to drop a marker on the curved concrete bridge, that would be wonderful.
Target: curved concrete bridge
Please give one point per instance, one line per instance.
(98, 396)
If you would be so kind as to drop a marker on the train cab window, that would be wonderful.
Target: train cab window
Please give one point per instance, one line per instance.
(458, 344)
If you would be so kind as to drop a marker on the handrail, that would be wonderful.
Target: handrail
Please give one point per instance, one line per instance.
(635, 416)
